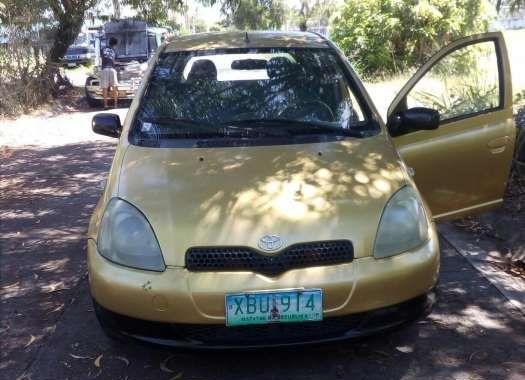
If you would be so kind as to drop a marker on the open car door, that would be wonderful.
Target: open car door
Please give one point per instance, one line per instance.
(461, 162)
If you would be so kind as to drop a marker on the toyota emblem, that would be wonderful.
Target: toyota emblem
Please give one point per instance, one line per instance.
(270, 243)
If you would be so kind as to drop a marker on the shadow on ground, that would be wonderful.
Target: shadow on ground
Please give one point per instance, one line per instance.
(47, 196)
(49, 330)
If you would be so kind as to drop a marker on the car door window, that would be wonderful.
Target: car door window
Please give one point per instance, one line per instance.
(463, 83)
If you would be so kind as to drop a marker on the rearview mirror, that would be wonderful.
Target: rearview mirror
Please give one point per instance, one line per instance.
(413, 119)
(107, 124)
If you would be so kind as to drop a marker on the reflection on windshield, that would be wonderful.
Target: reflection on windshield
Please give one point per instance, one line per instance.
(260, 90)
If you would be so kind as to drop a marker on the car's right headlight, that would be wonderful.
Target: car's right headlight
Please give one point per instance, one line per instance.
(125, 237)
(403, 225)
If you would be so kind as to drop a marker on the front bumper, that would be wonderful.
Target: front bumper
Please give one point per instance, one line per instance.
(178, 296)
(126, 89)
(259, 336)
(77, 61)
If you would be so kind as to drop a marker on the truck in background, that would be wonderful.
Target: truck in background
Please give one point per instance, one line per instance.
(137, 42)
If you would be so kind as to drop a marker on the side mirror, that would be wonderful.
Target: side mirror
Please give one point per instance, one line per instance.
(107, 124)
(413, 119)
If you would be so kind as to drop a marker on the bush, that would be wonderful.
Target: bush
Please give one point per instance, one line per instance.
(21, 83)
(391, 36)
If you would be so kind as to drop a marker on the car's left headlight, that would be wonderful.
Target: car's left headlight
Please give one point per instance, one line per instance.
(403, 225)
(125, 237)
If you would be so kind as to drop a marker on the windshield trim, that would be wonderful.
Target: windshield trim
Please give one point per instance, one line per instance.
(242, 142)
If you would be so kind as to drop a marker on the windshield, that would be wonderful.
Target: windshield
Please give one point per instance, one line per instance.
(82, 39)
(248, 97)
(130, 43)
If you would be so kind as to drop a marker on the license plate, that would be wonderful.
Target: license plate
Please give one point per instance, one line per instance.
(282, 306)
(71, 64)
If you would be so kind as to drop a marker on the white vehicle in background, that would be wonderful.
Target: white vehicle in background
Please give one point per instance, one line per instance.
(81, 52)
(137, 42)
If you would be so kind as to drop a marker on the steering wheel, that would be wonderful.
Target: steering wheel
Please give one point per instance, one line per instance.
(309, 110)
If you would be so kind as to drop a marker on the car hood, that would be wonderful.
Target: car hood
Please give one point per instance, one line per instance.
(236, 195)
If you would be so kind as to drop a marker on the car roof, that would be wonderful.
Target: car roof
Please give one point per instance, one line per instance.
(232, 40)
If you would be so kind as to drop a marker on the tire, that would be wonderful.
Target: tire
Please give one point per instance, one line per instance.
(92, 102)
(519, 155)
(520, 124)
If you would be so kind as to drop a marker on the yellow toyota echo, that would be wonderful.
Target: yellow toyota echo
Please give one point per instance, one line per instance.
(256, 197)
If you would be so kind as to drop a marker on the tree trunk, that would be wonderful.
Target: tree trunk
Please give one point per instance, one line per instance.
(116, 9)
(69, 25)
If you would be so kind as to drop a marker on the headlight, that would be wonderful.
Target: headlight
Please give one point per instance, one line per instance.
(403, 225)
(126, 237)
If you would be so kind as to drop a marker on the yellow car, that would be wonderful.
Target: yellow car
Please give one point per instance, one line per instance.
(256, 197)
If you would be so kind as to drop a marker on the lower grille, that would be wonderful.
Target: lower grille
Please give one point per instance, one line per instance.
(204, 335)
(300, 255)
(269, 334)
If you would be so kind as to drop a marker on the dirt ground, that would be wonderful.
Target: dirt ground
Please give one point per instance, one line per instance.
(52, 173)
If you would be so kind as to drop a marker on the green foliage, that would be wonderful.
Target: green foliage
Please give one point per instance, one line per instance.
(155, 12)
(38, 33)
(251, 14)
(463, 82)
(462, 100)
(316, 12)
(390, 36)
(24, 15)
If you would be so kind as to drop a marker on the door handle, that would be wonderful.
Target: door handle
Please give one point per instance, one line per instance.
(498, 144)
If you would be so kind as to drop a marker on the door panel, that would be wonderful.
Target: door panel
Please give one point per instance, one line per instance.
(463, 166)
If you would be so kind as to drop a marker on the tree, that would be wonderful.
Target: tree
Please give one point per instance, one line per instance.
(60, 20)
(116, 8)
(69, 17)
(39, 33)
(155, 12)
(514, 5)
(304, 14)
(251, 14)
(22, 54)
(318, 11)
(389, 36)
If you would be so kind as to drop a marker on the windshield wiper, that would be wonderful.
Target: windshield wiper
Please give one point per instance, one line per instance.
(297, 127)
(199, 129)
(247, 128)
(174, 121)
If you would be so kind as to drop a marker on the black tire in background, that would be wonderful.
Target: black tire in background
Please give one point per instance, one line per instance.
(519, 155)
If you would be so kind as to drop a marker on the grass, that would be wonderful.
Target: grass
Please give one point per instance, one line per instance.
(383, 92)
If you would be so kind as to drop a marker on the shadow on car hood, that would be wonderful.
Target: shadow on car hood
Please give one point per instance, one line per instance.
(234, 196)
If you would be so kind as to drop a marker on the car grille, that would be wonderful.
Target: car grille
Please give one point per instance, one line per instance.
(300, 255)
